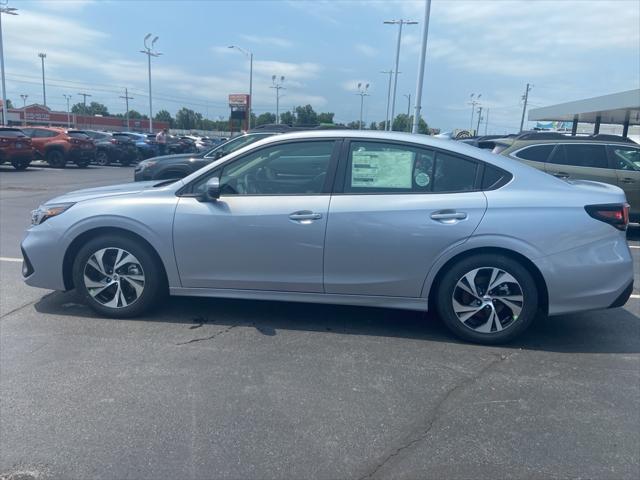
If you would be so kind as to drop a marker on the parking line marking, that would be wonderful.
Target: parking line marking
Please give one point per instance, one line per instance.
(634, 246)
(10, 259)
(635, 296)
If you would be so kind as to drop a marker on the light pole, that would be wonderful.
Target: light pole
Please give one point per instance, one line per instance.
(24, 96)
(9, 11)
(149, 52)
(473, 102)
(362, 91)
(278, 87)
(250, 55)
(68, 97)
(479, 120)
(386, 118)
(423, 53)
(400, 23)
(408, 95)
(44, 90)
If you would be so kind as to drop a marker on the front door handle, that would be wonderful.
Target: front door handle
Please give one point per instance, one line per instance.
(628, 180)
(561, 175)
(448, 216)
(305, 216)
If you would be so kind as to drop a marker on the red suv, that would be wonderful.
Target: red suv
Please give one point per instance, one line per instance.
(15, 148)
(58, 146)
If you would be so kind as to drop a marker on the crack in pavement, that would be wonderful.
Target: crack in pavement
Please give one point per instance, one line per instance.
(431, 420)
(211, 337)
(6, 314)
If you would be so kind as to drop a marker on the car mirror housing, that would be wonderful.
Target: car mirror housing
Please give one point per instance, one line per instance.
(213, 188)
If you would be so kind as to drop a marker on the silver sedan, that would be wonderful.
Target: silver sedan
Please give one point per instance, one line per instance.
(360, 218)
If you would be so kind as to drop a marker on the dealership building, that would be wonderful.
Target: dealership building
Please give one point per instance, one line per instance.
(39, 115)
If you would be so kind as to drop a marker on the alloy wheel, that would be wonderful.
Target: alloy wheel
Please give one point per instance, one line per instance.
(488, 300)
(114, 277)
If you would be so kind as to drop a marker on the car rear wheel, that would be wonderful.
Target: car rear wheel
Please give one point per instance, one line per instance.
(102, 158)
(487, 299)
(56, 159)
(20, 165)
(118, 276)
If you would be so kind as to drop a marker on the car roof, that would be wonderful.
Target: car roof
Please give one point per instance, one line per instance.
(568, 139)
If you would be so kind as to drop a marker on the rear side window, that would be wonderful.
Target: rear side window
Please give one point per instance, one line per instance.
(581, 155)
(626, 158)
(11, 133)
(375, 167)
(77, 134)
(536, 153)
(44, 134)
(494, 178)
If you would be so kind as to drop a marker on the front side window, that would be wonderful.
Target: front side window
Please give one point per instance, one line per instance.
(535, 153)
(233, 145)
(581, 155)
(375, 167)
(298, 168)
(626, 158)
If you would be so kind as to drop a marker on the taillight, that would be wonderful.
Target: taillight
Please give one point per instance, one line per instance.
(616, 215)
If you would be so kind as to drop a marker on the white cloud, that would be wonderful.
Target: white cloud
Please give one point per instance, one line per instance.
(264, 40)
(293, 71)
(366, 50)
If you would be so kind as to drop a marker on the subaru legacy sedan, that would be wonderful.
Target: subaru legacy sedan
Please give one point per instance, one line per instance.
(360, 218)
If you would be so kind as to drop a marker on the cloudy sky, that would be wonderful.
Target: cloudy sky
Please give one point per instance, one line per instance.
(567, 49)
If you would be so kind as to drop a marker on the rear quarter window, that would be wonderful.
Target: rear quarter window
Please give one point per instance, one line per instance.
(535, 153)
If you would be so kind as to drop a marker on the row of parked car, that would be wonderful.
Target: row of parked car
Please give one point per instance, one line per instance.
(59, 146)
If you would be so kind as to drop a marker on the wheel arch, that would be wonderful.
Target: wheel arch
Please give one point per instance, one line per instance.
(541, 284)
(84, 237)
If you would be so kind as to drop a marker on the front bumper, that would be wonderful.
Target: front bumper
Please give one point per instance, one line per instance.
(43, 253)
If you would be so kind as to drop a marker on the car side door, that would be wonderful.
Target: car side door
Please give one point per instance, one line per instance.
(626, 160)
(396, 208)
(266, 230)
(582, 161)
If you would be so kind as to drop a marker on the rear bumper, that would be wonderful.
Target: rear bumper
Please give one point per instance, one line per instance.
(596, 276)
(21, 155)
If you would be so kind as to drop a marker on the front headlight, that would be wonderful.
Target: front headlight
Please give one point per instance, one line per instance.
(44, 212)
(146, 164)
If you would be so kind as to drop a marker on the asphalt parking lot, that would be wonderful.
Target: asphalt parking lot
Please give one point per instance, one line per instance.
(209, 388)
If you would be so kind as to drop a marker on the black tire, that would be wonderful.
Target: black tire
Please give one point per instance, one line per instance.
(102, 158)
(55, 158)
(154, 285)
(83, 163)
(513, 324)
(21, 165)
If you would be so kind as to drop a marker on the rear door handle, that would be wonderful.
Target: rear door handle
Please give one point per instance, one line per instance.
(628, 180)
(305, 216)
(448, 216)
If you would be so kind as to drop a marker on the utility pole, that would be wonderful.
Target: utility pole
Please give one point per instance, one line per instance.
(386, 118)
(24, 108)
(8, 11)
(473, 103)
(68, 97)
(44, 91)
(277, 85)
(363, 93)
(423, 53)
(400, 23)
(84, 101)
(486, 123)
(525, 97)
(408, 95)
(149, 52)
(126, 100)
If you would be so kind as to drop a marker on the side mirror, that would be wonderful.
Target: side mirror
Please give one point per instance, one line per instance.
(213, 188)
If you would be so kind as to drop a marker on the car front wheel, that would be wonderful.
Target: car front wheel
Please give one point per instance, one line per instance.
(56, 159)
(102, 158)
(487, 299)
(118, 277)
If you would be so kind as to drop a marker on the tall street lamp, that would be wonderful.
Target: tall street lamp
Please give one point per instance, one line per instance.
(250, 56)
(362, 91)
(423, 54)
(9, 11)
(44, 90)
(400, 23)
(386, 118)
(277, 84)
(24, 96)
(408, 97)
(149, 52)
(68, 97)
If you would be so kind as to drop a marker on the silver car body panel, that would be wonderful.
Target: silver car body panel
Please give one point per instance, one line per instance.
(380, 250)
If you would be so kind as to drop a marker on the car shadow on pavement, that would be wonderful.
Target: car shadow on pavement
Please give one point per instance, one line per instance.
(605, 331)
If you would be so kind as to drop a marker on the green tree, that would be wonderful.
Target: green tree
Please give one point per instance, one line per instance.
(306, 116)
(355, 125)
(94, 108)
(325, 117)
(9, 103)
(164, 116)
(186, 119)
(134, 114)
(373, 126)
(404, 123)
(288, 118)
(265, 119)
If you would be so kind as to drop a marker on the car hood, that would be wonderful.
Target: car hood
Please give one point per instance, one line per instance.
(98, 192)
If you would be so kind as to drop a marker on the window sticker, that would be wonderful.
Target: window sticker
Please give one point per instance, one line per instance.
(381, 169)
(422, 179)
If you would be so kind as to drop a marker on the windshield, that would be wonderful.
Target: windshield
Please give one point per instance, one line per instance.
(233, 145)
